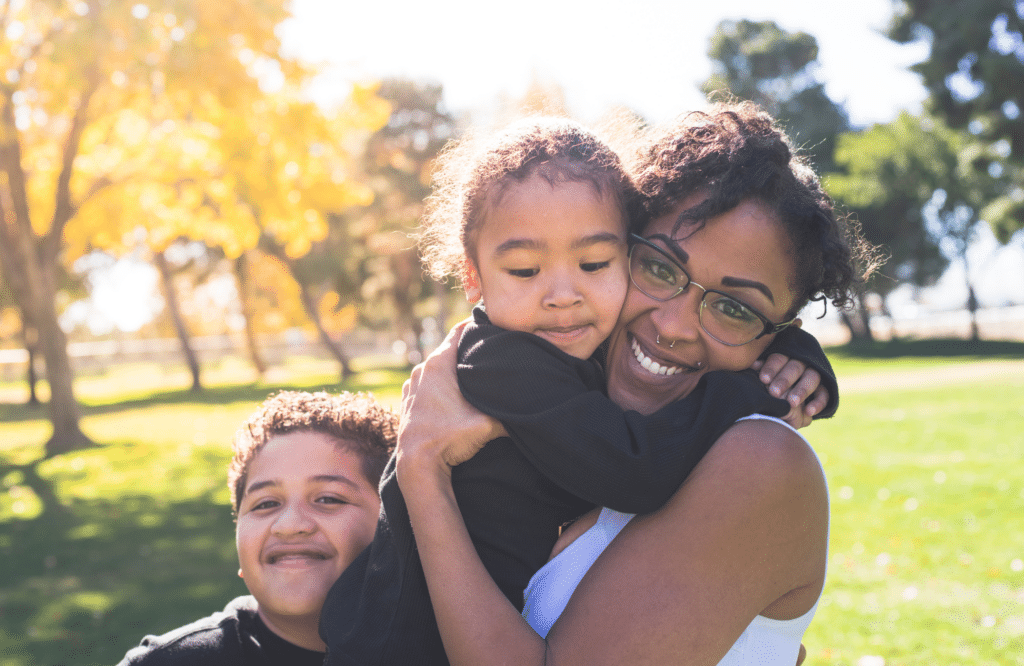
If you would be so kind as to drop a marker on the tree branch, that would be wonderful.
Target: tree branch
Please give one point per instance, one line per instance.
(64, 209)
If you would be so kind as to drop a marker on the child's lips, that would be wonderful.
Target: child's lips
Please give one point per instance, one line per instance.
(566, 331)
(291, 555)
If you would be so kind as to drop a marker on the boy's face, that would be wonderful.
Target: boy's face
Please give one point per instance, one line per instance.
(551, 260)
(306, 512)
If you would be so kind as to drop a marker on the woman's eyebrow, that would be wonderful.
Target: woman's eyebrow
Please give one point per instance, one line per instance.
(673, 246)
(726, 281)
(753, 284)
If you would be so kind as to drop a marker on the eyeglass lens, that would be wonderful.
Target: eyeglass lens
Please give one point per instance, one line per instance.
(657, 275)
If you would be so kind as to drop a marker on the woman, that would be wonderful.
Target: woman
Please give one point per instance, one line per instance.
(734, 563)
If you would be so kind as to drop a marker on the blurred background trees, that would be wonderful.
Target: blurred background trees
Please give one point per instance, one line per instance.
(176, 135)
(761, 62)
(975, 78)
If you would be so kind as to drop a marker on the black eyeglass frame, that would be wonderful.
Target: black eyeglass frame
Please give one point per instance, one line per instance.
(769, 326)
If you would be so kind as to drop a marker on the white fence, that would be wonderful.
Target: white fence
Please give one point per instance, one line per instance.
(96, 355)
(994, 324)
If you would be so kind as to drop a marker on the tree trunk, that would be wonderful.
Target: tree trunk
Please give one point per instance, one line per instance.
(174, 308)
(443, 293)
(972, 307)
(30, 336)
(241, 266)
(333, 346)
(859, 324)
(29, 270)
(64, 412)
(404, 291)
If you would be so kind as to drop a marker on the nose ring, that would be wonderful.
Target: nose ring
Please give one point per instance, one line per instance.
(657, 341)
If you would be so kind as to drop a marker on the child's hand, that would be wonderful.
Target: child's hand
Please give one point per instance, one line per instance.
(794, 382)
(438, 428)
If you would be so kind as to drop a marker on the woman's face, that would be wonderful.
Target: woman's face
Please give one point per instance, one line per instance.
(658, 351)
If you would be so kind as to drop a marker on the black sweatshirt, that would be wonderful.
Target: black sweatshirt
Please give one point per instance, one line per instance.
(234, 637)
(569, 449)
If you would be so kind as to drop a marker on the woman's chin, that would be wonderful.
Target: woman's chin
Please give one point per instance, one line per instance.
(631, 385)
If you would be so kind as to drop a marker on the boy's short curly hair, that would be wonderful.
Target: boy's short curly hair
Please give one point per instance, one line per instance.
(473, 173)
(734, 152)
(355, 420)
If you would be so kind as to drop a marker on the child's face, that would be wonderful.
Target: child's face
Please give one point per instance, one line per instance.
(306, 512)
(551, 260)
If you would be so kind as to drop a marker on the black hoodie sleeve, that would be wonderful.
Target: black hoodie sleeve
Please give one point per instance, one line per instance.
(554, 408)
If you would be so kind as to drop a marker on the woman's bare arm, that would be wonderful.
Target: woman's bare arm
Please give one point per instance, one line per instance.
(744, 535)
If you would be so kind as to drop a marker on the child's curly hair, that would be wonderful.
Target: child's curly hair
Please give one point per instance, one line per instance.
(355, 420)
(734, 152)
(473, 173)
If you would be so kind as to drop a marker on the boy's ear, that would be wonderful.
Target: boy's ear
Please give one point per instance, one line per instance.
(471, 282)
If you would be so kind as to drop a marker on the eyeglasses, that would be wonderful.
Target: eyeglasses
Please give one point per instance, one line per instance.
(657, 274)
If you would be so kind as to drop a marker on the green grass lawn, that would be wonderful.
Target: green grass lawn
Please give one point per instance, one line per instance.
(135, 536)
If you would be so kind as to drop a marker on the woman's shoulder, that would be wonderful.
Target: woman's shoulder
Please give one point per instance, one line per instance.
(768, 445)
(768, 460)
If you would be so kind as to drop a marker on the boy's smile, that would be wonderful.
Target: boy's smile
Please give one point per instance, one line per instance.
(307, 511)
(551, 260)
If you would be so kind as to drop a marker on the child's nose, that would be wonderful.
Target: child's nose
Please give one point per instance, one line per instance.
(294, 519)
(562, 293)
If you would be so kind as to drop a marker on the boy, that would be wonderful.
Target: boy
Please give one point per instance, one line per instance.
(303, 486)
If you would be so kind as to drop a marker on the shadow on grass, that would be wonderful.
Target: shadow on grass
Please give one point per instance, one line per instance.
(933, 348)
(83, 585)
(254, 392)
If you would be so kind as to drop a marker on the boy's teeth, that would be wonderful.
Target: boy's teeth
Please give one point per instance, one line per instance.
(652, 366)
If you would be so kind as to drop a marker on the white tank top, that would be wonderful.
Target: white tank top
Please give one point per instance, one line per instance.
(765, 642)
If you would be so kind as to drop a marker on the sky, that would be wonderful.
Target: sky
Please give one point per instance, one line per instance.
(647, 55)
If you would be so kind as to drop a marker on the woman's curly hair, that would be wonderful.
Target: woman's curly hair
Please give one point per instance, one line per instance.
(356, 421)
(473, 173)
(735, 152)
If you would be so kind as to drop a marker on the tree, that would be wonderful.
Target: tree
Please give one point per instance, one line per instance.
(915, 188)
(168, 272)
(398, 159)
(975, 78)
(85, 83)
(291, 172)
(760, 62)
(14, 324)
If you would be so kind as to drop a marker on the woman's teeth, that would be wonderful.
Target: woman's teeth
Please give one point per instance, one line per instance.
(652, 366)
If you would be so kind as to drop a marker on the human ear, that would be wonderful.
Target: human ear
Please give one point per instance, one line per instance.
(471, 282)
(797, 323)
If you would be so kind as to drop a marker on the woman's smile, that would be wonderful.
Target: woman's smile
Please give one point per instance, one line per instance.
(651, 365)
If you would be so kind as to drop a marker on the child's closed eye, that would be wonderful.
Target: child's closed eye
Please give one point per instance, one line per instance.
(594, 266)
(523, 272)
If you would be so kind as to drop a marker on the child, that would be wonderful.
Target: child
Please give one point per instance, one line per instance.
(535, 225)
(304, 489)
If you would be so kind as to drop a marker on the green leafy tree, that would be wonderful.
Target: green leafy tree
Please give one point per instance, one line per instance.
(916, 189)
(974, 74)
(777, 69)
